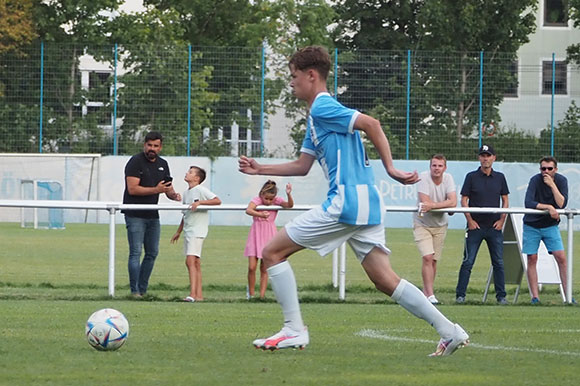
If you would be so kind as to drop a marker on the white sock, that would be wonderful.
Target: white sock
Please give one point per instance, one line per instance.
(284, 287)
(413, 300)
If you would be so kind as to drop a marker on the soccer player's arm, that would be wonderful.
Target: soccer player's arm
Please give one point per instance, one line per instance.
(372, 128)
(299, 167)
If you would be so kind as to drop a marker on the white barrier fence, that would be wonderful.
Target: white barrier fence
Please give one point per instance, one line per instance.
(339, 263)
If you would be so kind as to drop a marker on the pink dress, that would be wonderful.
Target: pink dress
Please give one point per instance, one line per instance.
(262, 230)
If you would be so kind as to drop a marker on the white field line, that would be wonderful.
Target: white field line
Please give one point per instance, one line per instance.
(374, 334)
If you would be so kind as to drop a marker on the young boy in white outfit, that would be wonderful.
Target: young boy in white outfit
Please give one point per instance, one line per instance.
(195, 223)
(353, 210)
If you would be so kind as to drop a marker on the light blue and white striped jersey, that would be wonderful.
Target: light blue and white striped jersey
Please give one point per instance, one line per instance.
(352, 196)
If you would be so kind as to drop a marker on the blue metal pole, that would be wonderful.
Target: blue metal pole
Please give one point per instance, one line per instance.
(189, 101)
(41, 95)
(408, 101)
(480, 95)
(115, 105)
(552, 107)
(262, 100)
(336, 73)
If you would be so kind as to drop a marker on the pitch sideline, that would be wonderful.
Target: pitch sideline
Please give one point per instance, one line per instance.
(374, 334)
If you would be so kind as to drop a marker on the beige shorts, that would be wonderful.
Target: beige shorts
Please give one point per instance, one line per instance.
(192, 246)
(429, 240)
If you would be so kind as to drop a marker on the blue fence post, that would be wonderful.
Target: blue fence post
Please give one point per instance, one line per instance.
(336, 73)
(552, 107)
(408, 124)
(189, 101)
(115, 140)
(480, 95)
(41, 95)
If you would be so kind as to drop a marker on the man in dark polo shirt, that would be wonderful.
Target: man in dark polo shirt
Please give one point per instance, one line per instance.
(484, 187)
(146, 175)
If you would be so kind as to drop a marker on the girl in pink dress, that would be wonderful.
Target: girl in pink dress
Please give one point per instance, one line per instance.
(262, 230)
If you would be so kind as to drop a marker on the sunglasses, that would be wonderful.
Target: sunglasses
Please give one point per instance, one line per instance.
(548, 168)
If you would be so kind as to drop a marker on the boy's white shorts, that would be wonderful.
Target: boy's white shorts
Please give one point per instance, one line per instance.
(318, 231)
(192, 246)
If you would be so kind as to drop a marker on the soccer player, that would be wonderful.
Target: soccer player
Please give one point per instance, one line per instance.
(353, 210)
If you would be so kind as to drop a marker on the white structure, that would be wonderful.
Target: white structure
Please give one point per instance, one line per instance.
(529, 106)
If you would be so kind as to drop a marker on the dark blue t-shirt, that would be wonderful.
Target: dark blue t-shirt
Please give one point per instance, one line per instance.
(539, 192)
(484, 192)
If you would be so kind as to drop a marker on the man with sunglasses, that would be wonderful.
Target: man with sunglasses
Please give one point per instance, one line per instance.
(547, 190)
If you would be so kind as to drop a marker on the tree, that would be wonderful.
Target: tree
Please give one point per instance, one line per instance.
(16, 25)
(566, 136)
(16, 30)
(154, 92)
(446, 38)
(498, 28)
(68, 29)
(279, 26)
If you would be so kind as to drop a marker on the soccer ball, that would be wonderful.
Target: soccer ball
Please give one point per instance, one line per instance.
(107, 329)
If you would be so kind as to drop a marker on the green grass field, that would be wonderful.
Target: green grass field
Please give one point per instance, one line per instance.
(52, 280)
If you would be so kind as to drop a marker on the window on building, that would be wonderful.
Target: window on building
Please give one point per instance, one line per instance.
(560, 78)
(556, 13)
(512, 83)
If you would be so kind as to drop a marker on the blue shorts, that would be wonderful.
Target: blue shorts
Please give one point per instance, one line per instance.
(550, 236)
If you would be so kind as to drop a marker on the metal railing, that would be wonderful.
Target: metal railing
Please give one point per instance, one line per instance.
(339, 264)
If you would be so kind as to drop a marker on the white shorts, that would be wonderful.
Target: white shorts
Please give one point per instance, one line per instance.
(318, 231)
(192, 246)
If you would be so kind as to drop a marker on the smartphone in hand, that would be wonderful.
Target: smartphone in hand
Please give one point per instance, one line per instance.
(167, 180)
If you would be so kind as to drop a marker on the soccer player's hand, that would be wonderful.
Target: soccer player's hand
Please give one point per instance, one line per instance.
(248, 165)
(405, 178)
(175, 237)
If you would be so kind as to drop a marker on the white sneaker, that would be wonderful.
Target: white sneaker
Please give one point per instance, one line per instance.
(433, 299)
(459, 339)
(286, 338)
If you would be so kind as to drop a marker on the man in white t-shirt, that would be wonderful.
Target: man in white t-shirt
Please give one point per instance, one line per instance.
(435, 190)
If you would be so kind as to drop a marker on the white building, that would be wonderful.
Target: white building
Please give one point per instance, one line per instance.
(529, 106)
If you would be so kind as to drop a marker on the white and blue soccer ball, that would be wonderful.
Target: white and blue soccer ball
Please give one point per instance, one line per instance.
(107, 329)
